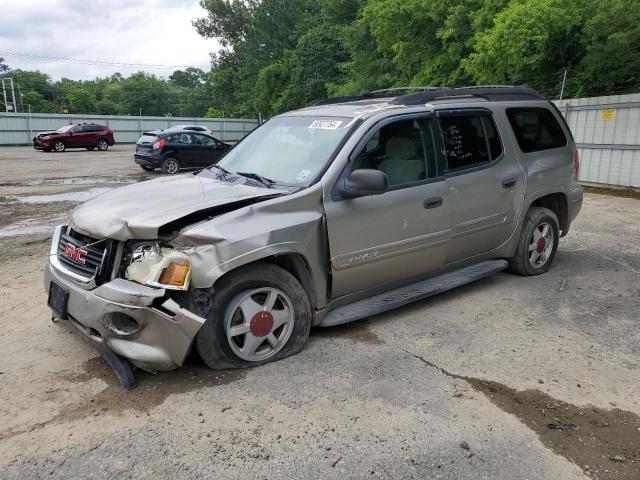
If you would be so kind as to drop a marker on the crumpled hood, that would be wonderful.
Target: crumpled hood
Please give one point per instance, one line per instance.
(52, 132)
(139, 210)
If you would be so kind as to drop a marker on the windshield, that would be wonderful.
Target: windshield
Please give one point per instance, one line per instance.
(64, 129)
(289, 150)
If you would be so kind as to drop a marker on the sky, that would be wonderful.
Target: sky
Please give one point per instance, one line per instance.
(149, 32)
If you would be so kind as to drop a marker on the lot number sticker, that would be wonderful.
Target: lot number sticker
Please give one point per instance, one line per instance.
(326, 124)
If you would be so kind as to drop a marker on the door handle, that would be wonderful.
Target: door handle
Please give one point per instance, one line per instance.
(509, 182)
(432, 202)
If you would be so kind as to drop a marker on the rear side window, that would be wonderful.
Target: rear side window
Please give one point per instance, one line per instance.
(469, 141)
(536, 129)
(180, 138)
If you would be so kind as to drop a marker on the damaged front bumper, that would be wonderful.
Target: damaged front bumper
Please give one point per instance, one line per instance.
(133, 321)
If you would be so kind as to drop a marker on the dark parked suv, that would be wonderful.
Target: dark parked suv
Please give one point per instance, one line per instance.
(173, 149)
(85, 135)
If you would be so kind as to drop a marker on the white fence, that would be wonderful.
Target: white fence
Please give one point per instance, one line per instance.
(607, 132)
(19, 128)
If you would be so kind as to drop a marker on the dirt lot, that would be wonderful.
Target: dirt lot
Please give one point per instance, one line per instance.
(462, 385)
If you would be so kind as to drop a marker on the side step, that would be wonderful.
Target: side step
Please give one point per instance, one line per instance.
(416, 291)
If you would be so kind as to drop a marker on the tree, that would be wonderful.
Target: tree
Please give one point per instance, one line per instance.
(531, 42)
(80, 100)
(189, 78)
(37, 102)
(3, 66)
(611, 39)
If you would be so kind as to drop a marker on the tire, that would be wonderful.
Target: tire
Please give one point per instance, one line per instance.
(91, 148)
(102, 145)
(59, 146)
(252, 287)
(145, 168)
(171, 166)
(537, 244)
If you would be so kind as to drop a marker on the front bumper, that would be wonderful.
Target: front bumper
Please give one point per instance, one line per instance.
(165, 330)
(40, 145)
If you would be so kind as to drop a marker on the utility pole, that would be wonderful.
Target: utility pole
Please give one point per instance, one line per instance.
(564, 79)
(30, 127)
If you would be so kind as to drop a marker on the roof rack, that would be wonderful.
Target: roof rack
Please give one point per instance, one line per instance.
(426, 94)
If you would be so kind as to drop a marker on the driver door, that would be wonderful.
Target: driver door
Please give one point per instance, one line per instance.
(378, 242)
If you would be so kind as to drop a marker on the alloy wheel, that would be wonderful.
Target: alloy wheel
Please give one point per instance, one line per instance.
(541, 245)
(259, 323)
(171, 166)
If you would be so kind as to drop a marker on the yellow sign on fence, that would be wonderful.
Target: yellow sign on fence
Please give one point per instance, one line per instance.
(608, 115)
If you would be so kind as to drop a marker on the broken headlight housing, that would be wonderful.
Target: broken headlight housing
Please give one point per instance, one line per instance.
(159, 266)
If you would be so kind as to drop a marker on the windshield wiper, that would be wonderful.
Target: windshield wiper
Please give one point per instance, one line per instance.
(267, 182)
(224, 171)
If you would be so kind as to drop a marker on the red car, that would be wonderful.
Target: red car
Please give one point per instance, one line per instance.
(84, 135)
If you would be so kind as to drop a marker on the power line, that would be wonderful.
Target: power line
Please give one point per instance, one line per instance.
(105, 63)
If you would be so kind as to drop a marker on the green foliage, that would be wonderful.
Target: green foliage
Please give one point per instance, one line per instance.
(529, 42)
(281, 54)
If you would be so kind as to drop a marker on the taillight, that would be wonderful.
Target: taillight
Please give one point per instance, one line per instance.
(577, 163)
(159, 144)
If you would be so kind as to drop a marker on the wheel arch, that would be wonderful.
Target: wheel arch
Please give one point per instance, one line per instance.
(558, 204)
(293, 262)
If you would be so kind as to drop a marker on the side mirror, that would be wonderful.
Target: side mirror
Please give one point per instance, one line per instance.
(363, 182)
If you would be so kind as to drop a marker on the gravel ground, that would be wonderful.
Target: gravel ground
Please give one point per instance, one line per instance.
(458, 386)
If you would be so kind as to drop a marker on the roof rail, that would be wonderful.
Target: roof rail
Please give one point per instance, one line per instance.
(427, 93)
(488, 92)
(393, 90)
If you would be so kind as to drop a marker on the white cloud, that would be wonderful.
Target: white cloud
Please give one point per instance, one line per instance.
(157, 32)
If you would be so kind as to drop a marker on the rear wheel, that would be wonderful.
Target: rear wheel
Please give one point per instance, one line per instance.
(59, 146)
(102, 145)
(537, 244)
(259, 314)
(170, 166)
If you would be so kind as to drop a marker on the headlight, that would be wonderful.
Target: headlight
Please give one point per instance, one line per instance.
(158, 266)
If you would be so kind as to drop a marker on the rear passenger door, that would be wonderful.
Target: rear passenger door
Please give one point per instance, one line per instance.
(484, 179)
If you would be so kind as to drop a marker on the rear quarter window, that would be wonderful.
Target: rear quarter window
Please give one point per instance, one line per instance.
(536, 129)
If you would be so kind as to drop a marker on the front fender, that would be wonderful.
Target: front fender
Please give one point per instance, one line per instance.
(281, 226)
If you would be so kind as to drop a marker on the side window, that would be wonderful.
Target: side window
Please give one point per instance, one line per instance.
(536, 129)
(203, 140)
(403, 150)
(78, 129)
(184, 138)
(469, 141)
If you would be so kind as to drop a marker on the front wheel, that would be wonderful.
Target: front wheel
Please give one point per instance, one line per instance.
(537, 244)
(259, 314)
(59, 146)
(102, 145)
(170, 166)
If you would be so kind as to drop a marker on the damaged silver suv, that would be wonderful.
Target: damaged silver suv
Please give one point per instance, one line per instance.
(321, 216)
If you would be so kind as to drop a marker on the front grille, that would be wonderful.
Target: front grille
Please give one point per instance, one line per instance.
(97, 258)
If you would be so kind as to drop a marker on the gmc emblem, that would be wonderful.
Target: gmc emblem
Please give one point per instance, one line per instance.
(76, 254)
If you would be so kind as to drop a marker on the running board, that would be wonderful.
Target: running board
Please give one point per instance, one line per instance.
(411, 293)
